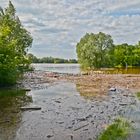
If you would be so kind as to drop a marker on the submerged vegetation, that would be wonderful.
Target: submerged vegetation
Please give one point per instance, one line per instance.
(98, 51)
(14, 43)
(119, 130)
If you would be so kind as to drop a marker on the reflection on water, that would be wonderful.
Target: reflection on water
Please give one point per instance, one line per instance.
(10, 114)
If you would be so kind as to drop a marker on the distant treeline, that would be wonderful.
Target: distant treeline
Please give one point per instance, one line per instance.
(34, 59)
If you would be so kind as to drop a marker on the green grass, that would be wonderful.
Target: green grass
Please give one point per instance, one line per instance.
(119, 130)
(11, 93)
(138, 95)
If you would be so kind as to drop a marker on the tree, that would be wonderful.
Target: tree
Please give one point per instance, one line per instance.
(93, 50)
(33, 58)
(121, 55)
(14, 43)
(126, 55)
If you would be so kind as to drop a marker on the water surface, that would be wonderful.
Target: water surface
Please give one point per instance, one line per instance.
(75, 69)
(64, 110)
(10, 113)
(59, 68)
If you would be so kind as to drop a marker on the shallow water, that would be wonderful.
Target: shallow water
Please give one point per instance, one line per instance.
(65, 113)
(134, 114)
(59, 68)
(10, 114)
(75, 69)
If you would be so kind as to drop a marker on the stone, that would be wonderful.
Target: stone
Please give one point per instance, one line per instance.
(30, 108)
(112, 89)
(57, 101)
(49, 136)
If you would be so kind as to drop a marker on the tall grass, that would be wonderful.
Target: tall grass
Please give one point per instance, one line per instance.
(119, 130)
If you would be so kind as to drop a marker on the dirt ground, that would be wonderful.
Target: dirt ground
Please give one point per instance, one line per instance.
(99, 84)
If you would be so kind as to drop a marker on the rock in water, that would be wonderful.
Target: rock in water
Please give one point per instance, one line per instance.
(112, 89)
(30, 108)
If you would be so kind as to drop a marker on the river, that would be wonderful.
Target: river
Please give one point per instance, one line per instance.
(65, 113)
(59, 68)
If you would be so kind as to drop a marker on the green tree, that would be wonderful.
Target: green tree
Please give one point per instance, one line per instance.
(136, 54)
(93, 50)
(33, 58)
(14, 43)
(126, 55)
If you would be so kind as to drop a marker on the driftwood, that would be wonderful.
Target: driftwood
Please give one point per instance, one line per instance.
(81, 127)
(123, 104)
(30, 108)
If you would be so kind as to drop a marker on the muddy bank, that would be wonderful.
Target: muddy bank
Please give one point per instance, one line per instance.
(73, 107)
(38, 80)
(99, 84)
(68, 116)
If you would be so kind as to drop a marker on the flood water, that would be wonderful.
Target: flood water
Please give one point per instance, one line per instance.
(65, 114)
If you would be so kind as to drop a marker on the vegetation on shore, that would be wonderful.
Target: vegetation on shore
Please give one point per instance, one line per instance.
(119, 130)
(14, 43)
(98, 51)
(34, 59)
(138, 95)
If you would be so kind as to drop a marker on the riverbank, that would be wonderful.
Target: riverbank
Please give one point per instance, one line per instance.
(94, 83)
(75, 106)
(100, 84)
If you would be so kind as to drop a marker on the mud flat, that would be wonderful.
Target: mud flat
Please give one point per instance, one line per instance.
(75, 107)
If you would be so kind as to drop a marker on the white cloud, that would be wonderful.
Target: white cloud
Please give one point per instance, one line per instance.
(57, 25)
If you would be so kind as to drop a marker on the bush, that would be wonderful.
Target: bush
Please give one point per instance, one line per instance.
(119, 130)
(14, 43)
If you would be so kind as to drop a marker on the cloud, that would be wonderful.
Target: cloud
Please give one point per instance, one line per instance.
(57, 25)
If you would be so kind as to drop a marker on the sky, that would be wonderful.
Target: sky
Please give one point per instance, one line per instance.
(57, 25)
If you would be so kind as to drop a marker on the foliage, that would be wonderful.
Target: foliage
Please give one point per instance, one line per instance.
(98, 50)
(119, 130)
(126, 55)
(34, 59)
(93, 50)
(138, 95)
(14, 43)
